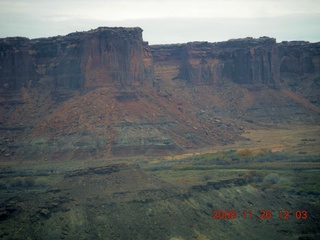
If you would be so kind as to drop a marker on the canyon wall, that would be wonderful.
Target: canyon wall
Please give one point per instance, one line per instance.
(119, 57)
(101, 57)
(105, 93)
(243, 61)
(299, 58)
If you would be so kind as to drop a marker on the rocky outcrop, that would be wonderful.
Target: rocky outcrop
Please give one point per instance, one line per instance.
(244, 61)
(119, 57)
(300, 70)
(100, 57)
(299, 58)
(17, 63)
(241, 61)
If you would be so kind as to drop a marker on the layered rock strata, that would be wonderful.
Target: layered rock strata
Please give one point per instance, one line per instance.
(106, 92)
(100, 57)
(244, 61)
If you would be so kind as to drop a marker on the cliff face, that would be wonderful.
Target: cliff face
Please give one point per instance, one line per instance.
(118, 57)
(244, 61)
(300, 68)
(241, 61)
(105, 92)
(299, 58)
(101, 57)
(17, 63)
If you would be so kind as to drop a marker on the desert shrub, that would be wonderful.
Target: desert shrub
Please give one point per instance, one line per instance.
(244, 152)
(22, 182)
(254, 176)
(181, 180)
(42, 182)
(275, 187)
(269, 156)
(308, 140)
(264, 150)
(29, 182)
(302, 152)
(206, 178)
(176, 238)
(250, 174)
(272, 178)
(266, 185)
(3, 184)
(254, 185)
(190, 167)
(159, 168)
(270, 181)
(235, 160)
(17, 182)
(221, 162)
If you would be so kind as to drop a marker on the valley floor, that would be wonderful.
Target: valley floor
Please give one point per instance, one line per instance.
(264, 187)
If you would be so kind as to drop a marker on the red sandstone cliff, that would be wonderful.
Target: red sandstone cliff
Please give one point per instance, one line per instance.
(100, 57)
(245, 61)
(106, 92)
(119, 57)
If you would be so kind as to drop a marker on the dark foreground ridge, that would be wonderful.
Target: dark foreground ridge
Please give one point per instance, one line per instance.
(123, 202)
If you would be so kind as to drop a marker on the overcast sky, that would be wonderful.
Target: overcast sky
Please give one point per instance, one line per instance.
(166, 21)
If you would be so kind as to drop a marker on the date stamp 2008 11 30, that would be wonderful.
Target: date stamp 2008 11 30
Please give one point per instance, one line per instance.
(263, 214)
